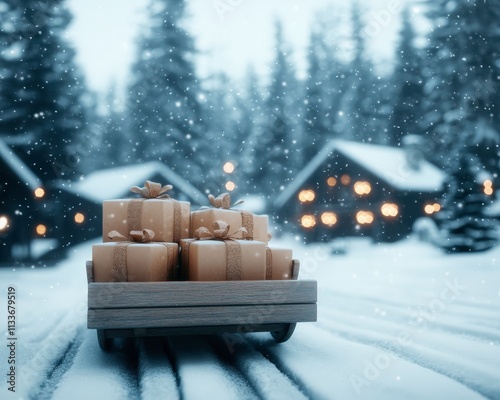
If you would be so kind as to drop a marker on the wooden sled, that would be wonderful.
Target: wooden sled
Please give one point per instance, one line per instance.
(140, 309)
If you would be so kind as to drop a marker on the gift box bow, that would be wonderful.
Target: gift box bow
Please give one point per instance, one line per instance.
(152, 190)
(142, 236)
(221, 232)
(222, 201)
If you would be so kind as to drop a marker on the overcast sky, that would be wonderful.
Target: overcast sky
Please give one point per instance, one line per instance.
(230, 34)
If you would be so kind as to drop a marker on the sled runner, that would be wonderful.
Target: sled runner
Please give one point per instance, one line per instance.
(141, 309)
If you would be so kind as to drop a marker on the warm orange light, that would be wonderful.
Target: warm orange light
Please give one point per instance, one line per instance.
(79, 218)
(362, 188)
(39, 193)
(488, 191)
(345, 179)
(488, 183)
(364, 217)
(331, 181)
(308, 221)
(430, 209)
(230, 185)
(41, 229)
(228, 167)
(329, 218)
(307, 195)
(4, 223)
(389, 210)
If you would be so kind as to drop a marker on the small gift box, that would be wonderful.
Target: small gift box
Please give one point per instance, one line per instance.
(279, 263)
(136, 259)
(168, 218)
(256, 226)
(214, 255)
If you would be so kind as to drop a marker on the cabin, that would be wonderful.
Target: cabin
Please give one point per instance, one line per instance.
(358, 189)
(23, 215)
(80, 202)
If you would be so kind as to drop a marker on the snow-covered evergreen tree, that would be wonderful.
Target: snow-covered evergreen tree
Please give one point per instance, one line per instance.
(276, 140)
(408, 81)
(165, 112)
(42, 93)
(462, 81)
(464, 226)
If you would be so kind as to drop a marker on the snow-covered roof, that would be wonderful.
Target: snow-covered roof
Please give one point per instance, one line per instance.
(114, 183)
(387, 163)
(19, 167)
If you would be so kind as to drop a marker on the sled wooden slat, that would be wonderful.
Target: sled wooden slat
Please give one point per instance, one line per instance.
(185, 294)
(123, 318)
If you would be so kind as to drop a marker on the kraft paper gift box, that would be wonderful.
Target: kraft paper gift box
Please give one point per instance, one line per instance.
(168, 218)
(126, 261)
(256, 225)
(217, 260)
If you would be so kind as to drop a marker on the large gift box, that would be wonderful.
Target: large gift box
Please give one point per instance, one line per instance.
(256, 225)
(279, 263)
(218, 256)
(168, 218)
(129, 261)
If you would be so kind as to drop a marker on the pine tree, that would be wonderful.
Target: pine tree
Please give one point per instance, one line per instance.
(463, 223)
(360, 99)
(408, 96)
(166, 117)
(43, 96)
(276, 140)
(462, 81)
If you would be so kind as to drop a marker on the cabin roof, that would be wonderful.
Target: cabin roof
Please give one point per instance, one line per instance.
(19, 167)
(387, 163)
(113, 183)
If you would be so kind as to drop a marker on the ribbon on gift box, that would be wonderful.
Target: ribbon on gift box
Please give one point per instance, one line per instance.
(119, 271)
(223, 201)
(152, 190)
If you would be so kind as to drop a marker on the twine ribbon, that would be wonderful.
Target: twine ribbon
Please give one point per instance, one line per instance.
(233, 248)
(152, 190)
(119, 271)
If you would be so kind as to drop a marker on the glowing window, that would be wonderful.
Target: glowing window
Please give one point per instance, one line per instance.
(39, 193)
(329, 218)
(362, 188)
(307, 195)
(4, 223)
(308, 221)
(41, 229)
(228, 167)
(230, 185)
(389, 210)
(345, 179)
(79, 218)
(364, 217)
(331, 181)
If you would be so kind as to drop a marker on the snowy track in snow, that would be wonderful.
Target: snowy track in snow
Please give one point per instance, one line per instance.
(355, 350)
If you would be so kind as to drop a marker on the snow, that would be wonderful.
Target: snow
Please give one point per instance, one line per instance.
(387, 163)
(115, 183)
(19, 167)
(400, 320)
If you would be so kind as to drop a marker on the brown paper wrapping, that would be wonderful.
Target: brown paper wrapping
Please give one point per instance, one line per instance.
(145, 262)
(207, 260)
(256, 225)
(279, 263)
(155, 214)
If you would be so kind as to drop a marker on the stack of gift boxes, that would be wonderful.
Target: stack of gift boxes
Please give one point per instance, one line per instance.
(157, 238)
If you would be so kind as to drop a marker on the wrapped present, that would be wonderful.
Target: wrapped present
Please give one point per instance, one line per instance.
(134, 259)
(279, 263)
(256, 226)
(215, 255)
(155, 210)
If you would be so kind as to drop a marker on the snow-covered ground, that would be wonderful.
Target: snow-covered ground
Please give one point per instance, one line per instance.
(394, 321)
